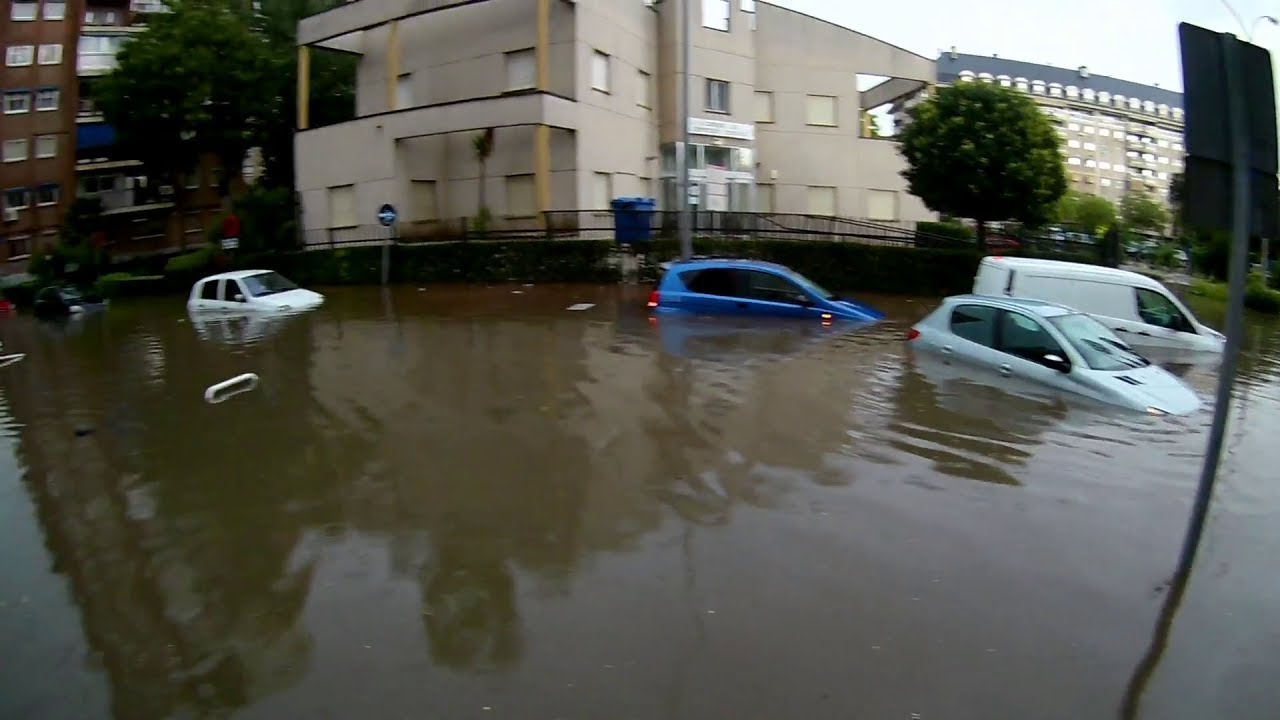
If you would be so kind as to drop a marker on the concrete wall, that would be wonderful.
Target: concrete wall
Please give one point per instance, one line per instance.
(616, 135)
(800, 55)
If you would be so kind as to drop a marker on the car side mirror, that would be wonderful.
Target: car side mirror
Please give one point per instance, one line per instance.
(802, 299)
(239, 297)
(1056, 362)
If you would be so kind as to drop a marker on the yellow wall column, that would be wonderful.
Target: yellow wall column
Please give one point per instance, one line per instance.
(542, 133)
(393, 64)
(304, 87)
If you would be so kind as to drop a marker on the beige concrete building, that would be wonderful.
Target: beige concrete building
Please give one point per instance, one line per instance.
(584, 100)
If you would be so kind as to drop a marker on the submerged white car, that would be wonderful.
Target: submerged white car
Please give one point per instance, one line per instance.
(251, 290)
(1050, 345)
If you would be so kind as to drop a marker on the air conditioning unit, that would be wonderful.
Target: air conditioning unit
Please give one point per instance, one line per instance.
(10, 214)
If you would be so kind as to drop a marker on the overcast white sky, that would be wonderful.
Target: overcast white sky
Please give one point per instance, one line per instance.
(1129, 39)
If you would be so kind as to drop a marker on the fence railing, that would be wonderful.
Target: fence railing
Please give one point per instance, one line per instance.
(567, 225)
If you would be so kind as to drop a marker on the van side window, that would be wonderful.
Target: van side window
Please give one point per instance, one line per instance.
(975, 323)
(1156, 309)
(1026, 338)
(209, 291)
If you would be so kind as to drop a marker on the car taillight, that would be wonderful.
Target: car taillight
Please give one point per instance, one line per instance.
(653, 299)
(912, 334)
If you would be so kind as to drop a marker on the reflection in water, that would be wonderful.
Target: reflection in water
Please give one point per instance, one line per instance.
(589, 513)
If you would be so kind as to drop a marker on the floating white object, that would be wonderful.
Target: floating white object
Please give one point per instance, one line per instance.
(6, 360)
(581, 306)
(236, 385)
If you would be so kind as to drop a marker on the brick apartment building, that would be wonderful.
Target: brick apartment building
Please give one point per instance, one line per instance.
(57, 147)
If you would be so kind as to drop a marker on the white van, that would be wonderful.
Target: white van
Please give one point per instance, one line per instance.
(1137, 308)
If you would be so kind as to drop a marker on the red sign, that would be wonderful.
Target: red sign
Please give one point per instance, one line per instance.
(231, 227)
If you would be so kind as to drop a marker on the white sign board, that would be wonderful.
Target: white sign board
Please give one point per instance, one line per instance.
(230, 243)
(721, 128)
(717, 203)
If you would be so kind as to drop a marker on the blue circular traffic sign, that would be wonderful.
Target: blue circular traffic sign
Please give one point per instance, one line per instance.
(387, 215)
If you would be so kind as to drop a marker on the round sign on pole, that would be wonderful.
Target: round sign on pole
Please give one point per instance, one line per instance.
(387, 215)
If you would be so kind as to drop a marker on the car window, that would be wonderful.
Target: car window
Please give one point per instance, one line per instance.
(209, 290)
(975, 323)
(1025, 337)
(229, 291)
(1100, 349)
(1156, 309)
(774, 288)
(268, 283)
(713, 281)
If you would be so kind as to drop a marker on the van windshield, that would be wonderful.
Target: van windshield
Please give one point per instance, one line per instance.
(1100, 349)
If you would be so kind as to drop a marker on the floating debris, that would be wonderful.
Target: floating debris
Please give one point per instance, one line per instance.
(581, 306)
(227, 389)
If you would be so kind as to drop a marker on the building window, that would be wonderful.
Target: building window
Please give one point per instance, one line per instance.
(15, 150)
(19, 247)
(1087, 94)
(1162, 143)
(967, 76)
(17, 198)
(54, 10)
(1088, 129)
(17, 102)
(748, 6)
(1073, 126)
(764, 106)
(1118, 168)
(1020, 83)
(342, 206)
(1073, 92)
(1073, 161)
(644, 93)
(404, 91)
(522, 196)
(985, 77)
(47, 99)
(1004, 80)
(820, 110)
(715, 14)
(48, 194)
(191, 180)
(522, 70)
(46, 146)
(1162, 160)
(600, 71)
(423, 196)
(22, 10)
(882, 205)
(1177, 147)
(1090, 163)
(717, 96)
(50, 54)
(1104, 165)
(1055, 90)
(1104, 132)
(19, 55)
(1106, 182)
(1090, 146)
(822, 200)
(1104, 97)
(601, 190)
(1073, 144)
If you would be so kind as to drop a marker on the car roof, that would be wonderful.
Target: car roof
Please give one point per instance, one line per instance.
(698, 263)
(1036, 307)
(235, 275)
(1063, 268)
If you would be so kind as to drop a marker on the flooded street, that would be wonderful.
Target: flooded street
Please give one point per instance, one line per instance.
(474, 503)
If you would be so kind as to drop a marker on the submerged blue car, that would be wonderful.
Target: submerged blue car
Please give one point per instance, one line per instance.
(750, 287)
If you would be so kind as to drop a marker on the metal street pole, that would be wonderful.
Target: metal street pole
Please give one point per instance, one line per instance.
(1239, 134)
(684, 224)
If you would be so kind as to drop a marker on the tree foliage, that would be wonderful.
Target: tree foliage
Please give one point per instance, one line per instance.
(1089, 213)
(332, 86)
(1142, 212)
(985, 152)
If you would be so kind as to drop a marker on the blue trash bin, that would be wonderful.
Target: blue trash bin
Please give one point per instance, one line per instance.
(633, 219)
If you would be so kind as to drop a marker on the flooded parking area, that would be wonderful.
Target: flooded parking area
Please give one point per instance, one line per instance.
(477, 503)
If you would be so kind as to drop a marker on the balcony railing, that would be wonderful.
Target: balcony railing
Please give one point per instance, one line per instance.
(96, 63)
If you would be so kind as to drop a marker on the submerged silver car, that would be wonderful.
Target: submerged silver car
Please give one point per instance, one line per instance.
(1049, 345)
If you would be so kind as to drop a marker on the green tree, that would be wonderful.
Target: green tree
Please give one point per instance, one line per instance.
(332, 86)
(1093, 214)
(197, 82)
(482, 148)
(1177, 196)
(985, 152)
(1142, 212)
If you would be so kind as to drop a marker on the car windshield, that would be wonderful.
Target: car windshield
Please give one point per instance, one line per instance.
(812, 286)
(267, 284)
(1100, 349)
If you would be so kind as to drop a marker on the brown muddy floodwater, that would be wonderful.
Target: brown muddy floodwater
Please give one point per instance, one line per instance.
(473, 503)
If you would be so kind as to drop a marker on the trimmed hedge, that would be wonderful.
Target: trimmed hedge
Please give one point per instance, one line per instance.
(124, 285)
(1257, 296)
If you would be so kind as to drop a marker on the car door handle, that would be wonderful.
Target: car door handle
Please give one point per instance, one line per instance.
(1123, 330)
(946, 349)
(1005, 370)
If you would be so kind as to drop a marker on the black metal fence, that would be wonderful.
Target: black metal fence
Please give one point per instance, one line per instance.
(569, 225)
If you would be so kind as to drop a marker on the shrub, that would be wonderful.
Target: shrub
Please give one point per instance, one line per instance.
(1165, 256)
(927, 232)
(23, 294)
(1257, 296)
(122, 284)
(197, 260)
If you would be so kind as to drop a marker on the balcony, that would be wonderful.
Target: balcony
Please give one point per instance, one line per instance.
(148, 6)
(94, 64)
